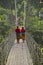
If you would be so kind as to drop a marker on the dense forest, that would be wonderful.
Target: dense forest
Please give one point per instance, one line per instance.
(6, 18)
(34, 23)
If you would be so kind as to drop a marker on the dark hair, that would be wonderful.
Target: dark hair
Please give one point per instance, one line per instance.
(17, 26)
(22, 27)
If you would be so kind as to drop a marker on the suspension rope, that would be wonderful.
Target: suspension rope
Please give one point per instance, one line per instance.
(16, 12)
(24, 13)
(24, 20)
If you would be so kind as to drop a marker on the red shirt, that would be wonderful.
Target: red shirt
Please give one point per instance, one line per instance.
(17, 30)
(23, 30)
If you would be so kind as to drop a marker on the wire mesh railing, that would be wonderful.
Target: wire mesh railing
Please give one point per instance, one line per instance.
(35, 51)
(5, 48)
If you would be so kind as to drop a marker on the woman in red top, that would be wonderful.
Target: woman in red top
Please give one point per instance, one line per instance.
(17, 34)
(23, 33)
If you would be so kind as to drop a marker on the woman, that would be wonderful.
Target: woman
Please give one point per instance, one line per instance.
(23, 33)
(17, 34)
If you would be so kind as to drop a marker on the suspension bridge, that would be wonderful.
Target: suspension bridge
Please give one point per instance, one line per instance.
(27, 53)
(19, 55)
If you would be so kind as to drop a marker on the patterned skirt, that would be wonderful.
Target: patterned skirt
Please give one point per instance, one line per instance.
(23, 36)
(18, 36)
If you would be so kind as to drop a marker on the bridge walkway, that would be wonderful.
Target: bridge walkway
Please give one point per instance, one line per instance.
(19, 54)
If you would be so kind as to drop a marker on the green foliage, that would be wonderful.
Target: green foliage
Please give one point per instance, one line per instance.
(34, 23)
(5, 22)
(38, 36)
(1, 38)
(35, 3)
(42, 9)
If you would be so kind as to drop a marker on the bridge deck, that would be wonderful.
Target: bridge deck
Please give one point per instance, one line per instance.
(19, 55)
